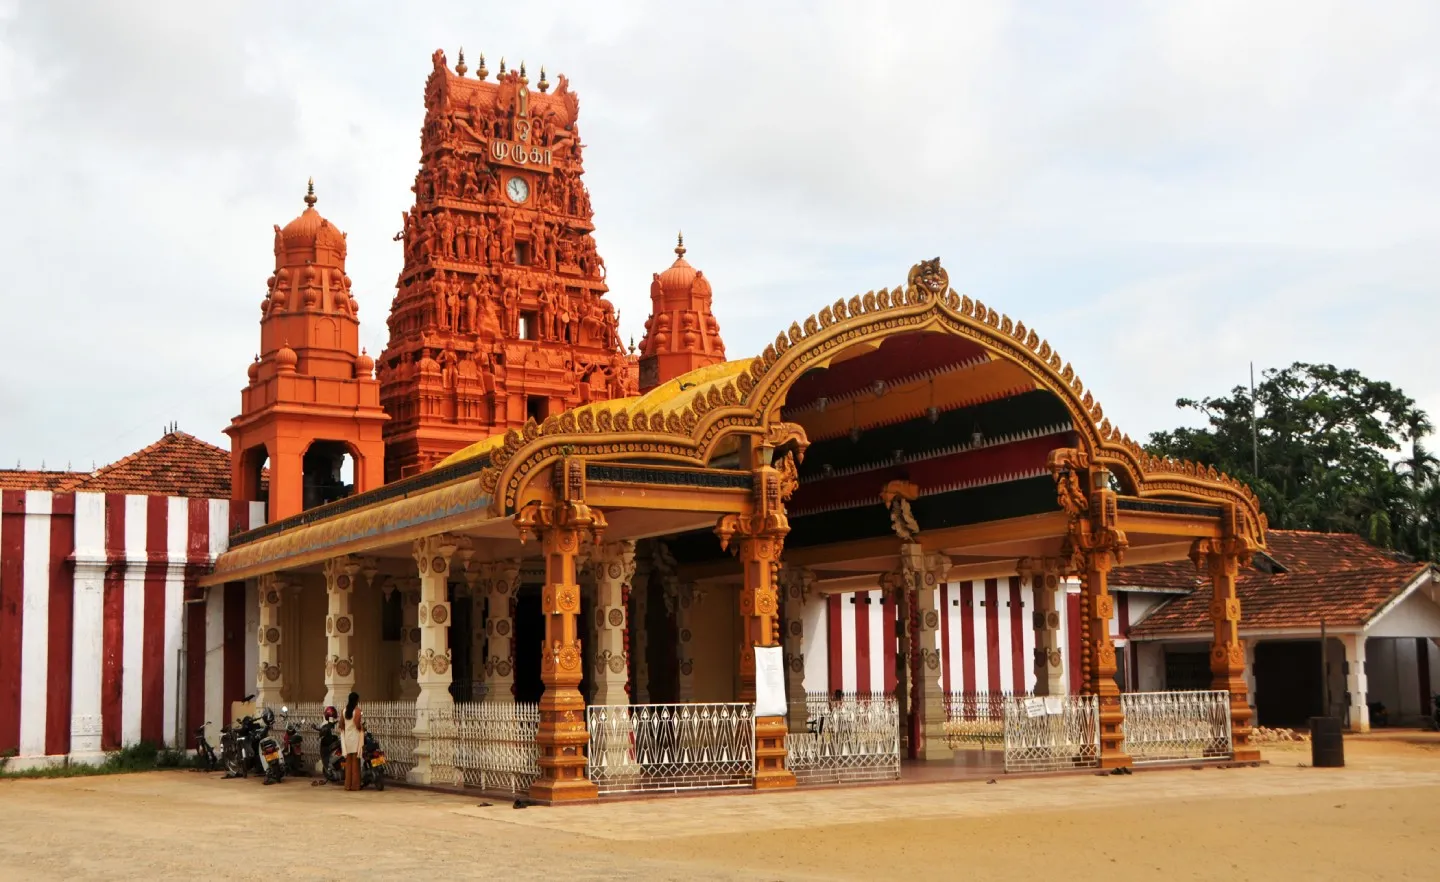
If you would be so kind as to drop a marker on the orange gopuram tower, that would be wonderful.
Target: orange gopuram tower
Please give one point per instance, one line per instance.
(312, 398)
(681, 333)
(500, 314)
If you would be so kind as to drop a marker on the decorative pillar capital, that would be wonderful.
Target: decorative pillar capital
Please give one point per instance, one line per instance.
(340, 573)
(433, 553)
(797, 583)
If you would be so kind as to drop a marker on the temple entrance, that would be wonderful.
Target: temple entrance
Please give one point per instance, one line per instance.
(529, 642)
(1287, 682)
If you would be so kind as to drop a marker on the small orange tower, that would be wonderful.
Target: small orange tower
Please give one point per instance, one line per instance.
(312, 396)
(681, 333)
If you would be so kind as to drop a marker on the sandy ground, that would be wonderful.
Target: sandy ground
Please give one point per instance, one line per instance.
(1378, 818)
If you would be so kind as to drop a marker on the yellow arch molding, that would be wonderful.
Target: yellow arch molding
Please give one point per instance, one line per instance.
(746, 400)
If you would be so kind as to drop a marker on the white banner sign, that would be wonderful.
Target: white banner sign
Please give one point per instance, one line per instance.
(770, 682)
(1034, 707)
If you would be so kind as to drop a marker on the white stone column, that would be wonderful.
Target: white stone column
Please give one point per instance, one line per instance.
(409, 638)
(432, 558)
(923, 574)
(500, 632)
(612, 566)
(1046, 587)
(269, 677)
(796, 583)
(639, 631)
(340, 575)
(1356, 683)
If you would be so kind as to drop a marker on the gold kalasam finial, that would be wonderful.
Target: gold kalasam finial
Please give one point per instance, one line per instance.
(310, 192)
(460, 67)
(544, 84)
(680, 244)
(523, 79)
(502, 65)
(481, 72)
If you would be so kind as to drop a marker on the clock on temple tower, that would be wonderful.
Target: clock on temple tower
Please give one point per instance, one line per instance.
(500, 314)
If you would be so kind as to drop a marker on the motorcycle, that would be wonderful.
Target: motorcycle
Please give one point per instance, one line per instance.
(267, 748)
(1435, 712)
(235, 746)
(372, 764)
(205, 758)
(290, 741)
(332, 761)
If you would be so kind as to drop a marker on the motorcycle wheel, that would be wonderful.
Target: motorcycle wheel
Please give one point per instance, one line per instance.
(380, 779)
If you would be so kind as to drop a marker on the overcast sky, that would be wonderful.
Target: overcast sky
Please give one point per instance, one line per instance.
(1165, 190)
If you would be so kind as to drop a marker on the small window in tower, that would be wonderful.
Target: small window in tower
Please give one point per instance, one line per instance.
(529, 326)
(522, 253)
(537, 407)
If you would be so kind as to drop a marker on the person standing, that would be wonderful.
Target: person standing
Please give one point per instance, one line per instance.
(352, 740)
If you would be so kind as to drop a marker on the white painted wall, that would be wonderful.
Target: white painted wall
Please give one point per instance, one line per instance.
(816, 644)
(1415, 616)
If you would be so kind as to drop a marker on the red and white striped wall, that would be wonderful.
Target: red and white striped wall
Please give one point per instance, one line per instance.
(987, 638)
(93, 619)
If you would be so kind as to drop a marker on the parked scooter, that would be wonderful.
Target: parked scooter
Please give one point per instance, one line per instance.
(205, 758)
(267, 748)
(332, 761)
(372, 764)
(290, 743)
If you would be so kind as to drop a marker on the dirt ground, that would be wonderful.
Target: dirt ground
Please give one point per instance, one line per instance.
(1378, 818)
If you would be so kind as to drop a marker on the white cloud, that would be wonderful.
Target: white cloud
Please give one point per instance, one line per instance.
(1165, 190)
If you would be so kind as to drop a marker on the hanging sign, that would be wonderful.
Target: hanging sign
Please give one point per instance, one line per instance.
(1054, 705)
(1034, 707)
(770, 682)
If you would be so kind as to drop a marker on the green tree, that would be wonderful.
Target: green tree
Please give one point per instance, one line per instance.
(1336, 451)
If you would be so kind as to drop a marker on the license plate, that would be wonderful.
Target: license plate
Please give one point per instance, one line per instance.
(377, 761)
(271, 754)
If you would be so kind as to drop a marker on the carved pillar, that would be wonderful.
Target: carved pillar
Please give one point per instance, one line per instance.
(432, 557)
(562, 738)
(612, 566)
(340, 575)
(760, 538)
(1222, 559)
(639, 631)
(1101, 606)
(798, 583)
(1093, 546)
(477, 582)
(1046, 587)
(269, 676)
(500, 632)
(409, 638)
(684, 599)
(922, 574)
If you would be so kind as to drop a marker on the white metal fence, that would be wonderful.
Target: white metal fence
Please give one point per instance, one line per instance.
(1176, 726)
(856, 739)
(393, 725)
(490, 746)
(671, 746)
(1051, 733)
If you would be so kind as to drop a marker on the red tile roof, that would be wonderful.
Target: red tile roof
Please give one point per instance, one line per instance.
(33, 479)
(179, 464)
(1338, 578)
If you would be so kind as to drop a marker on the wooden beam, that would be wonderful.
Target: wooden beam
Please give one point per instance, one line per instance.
(1195, 526)
(973, 538)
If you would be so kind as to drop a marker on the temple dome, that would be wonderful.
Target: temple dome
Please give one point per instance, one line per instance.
(682, 278)
(309, 233)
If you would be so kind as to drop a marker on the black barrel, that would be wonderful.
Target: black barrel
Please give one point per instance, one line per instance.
(1327, 743)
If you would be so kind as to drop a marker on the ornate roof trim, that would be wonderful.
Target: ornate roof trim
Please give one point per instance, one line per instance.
(750, 402)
